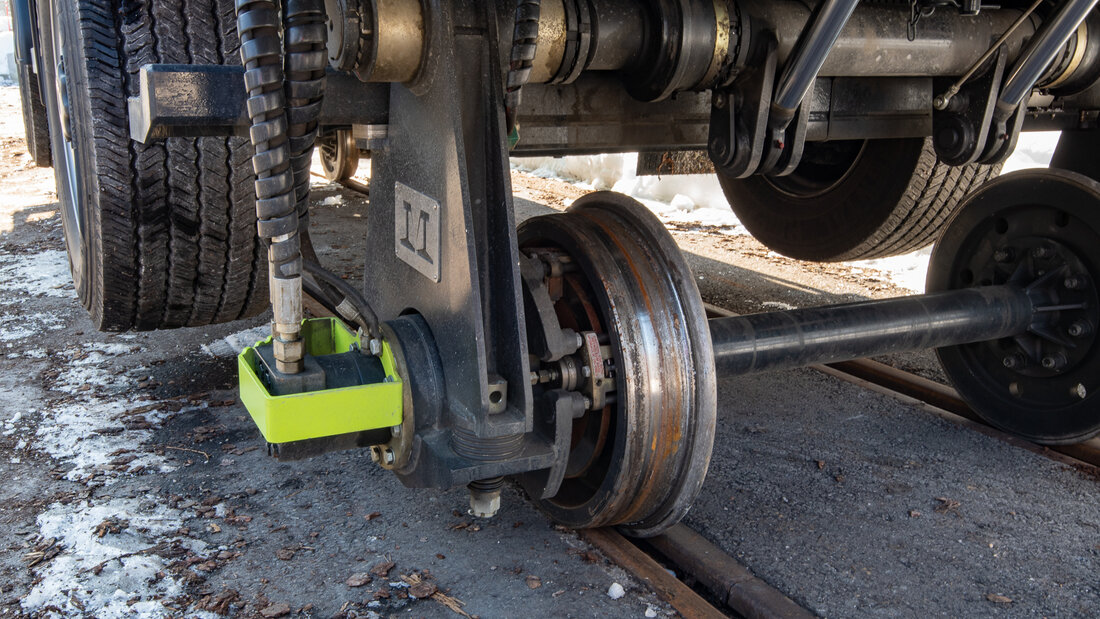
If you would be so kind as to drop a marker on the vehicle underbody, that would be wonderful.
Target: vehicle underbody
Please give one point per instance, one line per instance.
(573, 353)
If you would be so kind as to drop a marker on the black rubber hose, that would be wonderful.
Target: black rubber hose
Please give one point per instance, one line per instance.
(524, 40)
(349, 292)
(305, 60)
(259, 26)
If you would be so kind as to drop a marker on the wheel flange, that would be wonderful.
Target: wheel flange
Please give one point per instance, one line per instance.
(639, 461)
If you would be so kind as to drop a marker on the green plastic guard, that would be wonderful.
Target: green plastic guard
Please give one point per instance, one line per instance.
(317, 414)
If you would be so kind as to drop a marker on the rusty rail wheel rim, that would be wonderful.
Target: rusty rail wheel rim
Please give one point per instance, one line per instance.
(661, 428)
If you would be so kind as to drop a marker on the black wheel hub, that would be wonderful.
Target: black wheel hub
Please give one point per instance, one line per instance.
(1039, 230)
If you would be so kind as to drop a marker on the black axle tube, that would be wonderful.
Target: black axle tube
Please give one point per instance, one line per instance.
(797, 338)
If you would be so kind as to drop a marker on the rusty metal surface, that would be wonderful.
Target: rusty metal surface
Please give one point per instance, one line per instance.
(725, 577)
(666, 393)
(643, 567)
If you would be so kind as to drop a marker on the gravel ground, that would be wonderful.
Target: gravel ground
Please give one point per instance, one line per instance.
(136, 485)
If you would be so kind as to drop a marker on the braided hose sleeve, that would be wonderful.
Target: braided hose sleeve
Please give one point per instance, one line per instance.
(305, 60)
(259, 27)
(524, 40)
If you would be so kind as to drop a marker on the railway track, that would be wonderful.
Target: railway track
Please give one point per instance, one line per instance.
(731, 587)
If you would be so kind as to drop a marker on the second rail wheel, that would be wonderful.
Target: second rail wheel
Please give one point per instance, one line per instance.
(1038, 229)
(339, 155)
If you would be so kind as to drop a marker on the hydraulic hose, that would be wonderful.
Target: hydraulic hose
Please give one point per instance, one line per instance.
(259, 27)
(305, 61)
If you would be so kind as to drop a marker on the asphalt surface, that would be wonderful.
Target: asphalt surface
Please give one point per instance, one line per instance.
(135, 484)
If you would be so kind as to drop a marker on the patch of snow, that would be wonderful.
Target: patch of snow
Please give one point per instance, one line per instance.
(45, 273)
(778, 305)
(686, 199)
(235, 343)
(1033, 150)
(68, 585)
(333, 201)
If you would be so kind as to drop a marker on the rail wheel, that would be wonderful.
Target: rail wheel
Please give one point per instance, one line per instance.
(1042, 227)
(639, 461)
(339, 155)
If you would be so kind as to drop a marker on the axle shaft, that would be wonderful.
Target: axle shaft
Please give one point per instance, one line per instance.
(790, 339)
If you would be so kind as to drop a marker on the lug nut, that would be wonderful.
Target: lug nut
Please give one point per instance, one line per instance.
(1042, 252)
(1004, 254)
(1079, 329)
(1080, 391)
(1055, 362)
(1075, 282)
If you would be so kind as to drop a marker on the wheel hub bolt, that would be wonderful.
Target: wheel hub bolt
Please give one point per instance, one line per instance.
(1080, 391)
(1075, 282)
(1055, 362)
(1004, 254)
(1014, 361)
(1042, 252)
(1079, 329)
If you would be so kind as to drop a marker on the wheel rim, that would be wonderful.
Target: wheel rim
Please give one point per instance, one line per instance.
(640, 462)
(71, 191)
(824, 166)
(339, 154)
(1038, 226)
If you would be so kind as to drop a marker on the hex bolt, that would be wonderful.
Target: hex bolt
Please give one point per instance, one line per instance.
(1075, 282)
(1004, 254)
(1080, 391)
(396, 430)
(1014, 361)
(389, 458)
(375, 347)
(1079, 329)
(376, 454)
(1055, 362)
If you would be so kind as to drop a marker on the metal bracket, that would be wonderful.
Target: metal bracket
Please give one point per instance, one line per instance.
(961, 129)
(739, 117)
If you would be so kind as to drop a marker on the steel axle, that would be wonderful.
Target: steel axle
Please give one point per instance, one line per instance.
(797, 338)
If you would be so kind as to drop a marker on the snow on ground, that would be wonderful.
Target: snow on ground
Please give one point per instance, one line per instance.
(96, 437)
(113, 575)
(697, 199)
(234, 343)
(45, 273)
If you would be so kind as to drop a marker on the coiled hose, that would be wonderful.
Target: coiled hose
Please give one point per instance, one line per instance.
(259, 27)
(285, 60)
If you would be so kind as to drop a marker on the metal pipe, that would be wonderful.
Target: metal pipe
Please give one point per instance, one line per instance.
(1041, 50)
(874, 42)
(803, 67)
(790, 339)
(941, 101)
